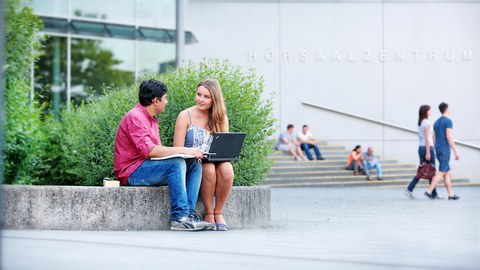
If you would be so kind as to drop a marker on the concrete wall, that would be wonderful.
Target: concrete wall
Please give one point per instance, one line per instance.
(374, 59)
(120, 208)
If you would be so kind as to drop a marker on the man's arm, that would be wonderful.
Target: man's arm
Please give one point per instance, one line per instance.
(451, 142)
(162, 151)
(141, 138)
(366, 157)
(312, 140)
(300, 139)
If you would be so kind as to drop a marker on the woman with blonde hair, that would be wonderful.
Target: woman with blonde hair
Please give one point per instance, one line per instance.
(195, 127)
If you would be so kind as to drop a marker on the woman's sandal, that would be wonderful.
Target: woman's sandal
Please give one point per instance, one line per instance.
(214, 226)
(220, 226)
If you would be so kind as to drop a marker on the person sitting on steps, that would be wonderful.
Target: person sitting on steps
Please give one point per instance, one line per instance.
(370, 161)
(288, 144)
(307, 142)
(355, 160)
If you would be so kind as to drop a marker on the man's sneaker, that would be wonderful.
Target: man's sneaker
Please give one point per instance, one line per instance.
(184, 224)
(320, 158)
(379, 178)
(200, 222)
(409, 194)
(429, 195)
(454, 197)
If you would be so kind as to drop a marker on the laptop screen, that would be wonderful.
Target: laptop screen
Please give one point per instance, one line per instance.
(226, 146)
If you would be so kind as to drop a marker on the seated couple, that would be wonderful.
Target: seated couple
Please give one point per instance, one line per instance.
(304, 141)
(138, 139)
(365, 161)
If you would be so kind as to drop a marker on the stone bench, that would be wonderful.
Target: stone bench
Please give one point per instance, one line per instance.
(118, 208)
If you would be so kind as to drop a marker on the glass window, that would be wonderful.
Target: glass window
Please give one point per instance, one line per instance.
(56, 8)
(155, 57)
(157, 13)
(121, 11)
(51, 73)
(100, 62)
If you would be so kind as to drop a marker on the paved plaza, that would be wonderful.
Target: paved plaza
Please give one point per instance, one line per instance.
(312, 228)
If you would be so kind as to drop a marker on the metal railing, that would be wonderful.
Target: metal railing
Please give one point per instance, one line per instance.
(383, 123)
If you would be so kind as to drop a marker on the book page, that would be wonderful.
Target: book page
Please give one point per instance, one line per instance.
(173, 156)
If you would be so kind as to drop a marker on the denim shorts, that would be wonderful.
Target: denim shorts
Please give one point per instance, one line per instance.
(444, 160)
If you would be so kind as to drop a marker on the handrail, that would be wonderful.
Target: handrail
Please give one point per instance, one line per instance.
(383, 123)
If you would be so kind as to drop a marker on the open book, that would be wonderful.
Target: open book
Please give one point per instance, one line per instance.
(172, 156)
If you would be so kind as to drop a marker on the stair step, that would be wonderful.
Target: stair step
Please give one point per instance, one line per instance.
(341, 172)
(363, 182)
(320, 147)
(286, 172)
(338, 168)
(336, 177)
(318, 163)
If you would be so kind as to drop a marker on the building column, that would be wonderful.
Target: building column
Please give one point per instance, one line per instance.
(56, 78)
(180, 44)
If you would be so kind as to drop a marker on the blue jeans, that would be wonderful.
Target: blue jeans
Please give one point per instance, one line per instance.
(422, 151)
(367, 167)
(182, 176)
(307, 146)
(353, 166)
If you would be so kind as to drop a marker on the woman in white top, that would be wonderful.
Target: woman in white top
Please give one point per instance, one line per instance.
(426, 151)
(195, 127)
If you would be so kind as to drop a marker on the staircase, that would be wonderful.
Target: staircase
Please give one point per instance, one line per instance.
(286, 172)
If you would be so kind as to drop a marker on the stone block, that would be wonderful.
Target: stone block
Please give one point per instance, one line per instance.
(120, 208)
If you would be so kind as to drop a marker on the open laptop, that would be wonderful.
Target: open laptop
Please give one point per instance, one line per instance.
(226, 146)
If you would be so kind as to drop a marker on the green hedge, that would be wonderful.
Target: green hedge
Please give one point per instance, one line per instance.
(26, 142)
(89, 130)
(79, 149)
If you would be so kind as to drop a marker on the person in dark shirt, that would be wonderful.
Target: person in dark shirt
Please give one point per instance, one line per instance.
(443, 138)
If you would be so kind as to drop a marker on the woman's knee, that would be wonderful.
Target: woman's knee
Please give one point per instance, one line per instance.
(224, 170)
(208, 171)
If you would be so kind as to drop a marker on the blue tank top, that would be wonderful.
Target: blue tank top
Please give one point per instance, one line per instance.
(198, 137)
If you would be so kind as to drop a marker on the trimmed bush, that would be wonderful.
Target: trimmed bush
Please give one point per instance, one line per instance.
(26, 142)
(89, 130)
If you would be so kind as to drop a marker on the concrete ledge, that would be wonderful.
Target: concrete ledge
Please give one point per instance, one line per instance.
(121, 208)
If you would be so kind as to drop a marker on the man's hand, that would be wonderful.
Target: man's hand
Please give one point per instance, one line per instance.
(427, 156)
(457, 156)
(196, 152)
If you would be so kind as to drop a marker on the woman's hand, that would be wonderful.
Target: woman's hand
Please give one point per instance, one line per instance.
(427, 156)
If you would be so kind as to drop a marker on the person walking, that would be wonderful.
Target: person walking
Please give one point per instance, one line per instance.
(426, 153)
(444, 141)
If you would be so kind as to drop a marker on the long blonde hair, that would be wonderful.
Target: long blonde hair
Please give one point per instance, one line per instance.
(217, 115)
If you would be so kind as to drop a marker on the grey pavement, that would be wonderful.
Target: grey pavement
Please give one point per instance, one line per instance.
(313, 228)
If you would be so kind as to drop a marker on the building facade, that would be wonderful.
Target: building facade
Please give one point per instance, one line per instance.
(91, 43)
(355, 71)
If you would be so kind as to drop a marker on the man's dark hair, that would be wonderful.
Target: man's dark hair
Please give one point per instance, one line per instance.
(443, 107)
(151, 89)
(304, 126)
(289, 126)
